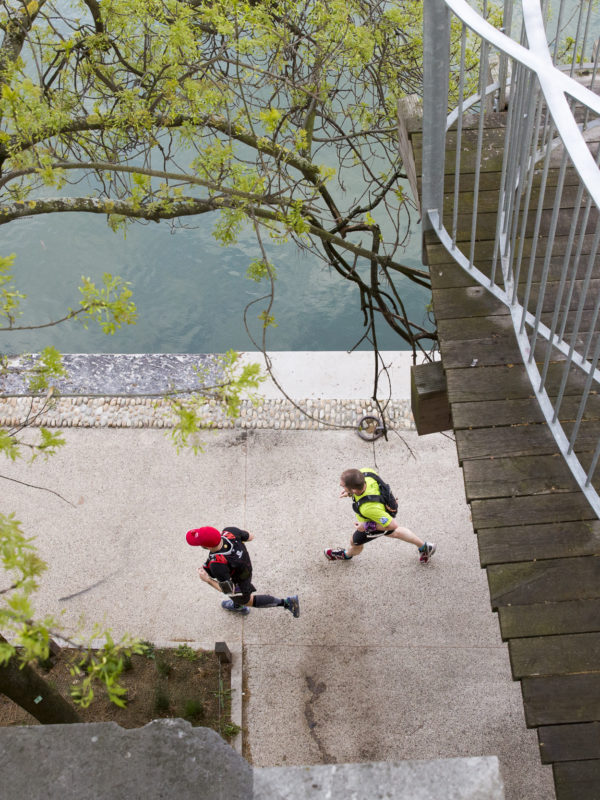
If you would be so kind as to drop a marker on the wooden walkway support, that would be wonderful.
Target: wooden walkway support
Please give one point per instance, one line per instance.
(539, 540)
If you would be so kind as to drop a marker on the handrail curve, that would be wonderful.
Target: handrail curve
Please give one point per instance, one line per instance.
(545, 108)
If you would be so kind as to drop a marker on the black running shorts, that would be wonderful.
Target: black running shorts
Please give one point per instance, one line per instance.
(243, 591)
(362, 537)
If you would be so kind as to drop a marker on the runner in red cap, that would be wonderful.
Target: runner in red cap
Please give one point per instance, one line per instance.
(229, 570)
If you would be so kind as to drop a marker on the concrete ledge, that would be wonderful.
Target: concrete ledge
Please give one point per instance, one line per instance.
(117, 374)
(442, 779)
(303, 374)
(165, 759)
(168, 758)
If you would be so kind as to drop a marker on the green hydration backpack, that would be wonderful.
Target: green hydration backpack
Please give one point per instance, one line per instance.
(385, 496)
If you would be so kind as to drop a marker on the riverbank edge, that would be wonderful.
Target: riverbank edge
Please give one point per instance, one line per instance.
(326, 390)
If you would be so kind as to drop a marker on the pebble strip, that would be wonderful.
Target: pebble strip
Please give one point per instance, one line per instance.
(152, 412)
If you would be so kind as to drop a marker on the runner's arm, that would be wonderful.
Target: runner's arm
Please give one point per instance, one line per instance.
(205, 577)
(219, 577)
(239, 533)
(390, 523)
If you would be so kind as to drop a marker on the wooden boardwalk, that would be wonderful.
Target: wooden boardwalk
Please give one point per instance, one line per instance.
(539, 540)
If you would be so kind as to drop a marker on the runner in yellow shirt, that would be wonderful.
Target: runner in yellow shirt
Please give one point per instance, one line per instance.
(373, 518)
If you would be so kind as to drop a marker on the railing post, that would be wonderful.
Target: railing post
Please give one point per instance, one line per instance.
(436, 74)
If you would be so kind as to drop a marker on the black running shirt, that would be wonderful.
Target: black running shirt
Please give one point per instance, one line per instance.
(232, 561)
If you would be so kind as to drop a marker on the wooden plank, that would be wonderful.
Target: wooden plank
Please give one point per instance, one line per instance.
(561, 699)
(467, 301)
(505, 383)
(508, 544)
(548, 581)
(493, 141)
(512, 412)
(500, 412)
(476, 328)
(493, 119)
(487, 198)
(448, 274)
(522, 440)
(484, 250)
(478, 341)
(477, 301)
(490, 352)
(586, 323)
(577, 780)
(498, 351)
(451, 275)
(489, 340)
(510, 440)
(491, 153)
(569, 742)
(490, 181)
(551, 295)
(544, 508)
(517, 476)
(488, 383)
(486, 224)
(547, 619)
(565, 654)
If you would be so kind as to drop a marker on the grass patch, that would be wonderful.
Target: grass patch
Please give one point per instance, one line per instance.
(163, 667)
(185, 651)
(193, 710)
(162, 702)
(178, 682)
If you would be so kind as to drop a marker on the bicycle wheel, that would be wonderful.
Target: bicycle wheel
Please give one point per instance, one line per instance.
(369, 428)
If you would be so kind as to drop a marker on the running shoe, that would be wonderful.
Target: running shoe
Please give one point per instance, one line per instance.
(425, 552)
(230, 606)
(338, 554)
(293, 604)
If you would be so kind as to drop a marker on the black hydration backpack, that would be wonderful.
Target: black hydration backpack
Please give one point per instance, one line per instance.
(385, 496)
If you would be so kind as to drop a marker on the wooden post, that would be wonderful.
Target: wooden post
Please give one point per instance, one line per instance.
(223, 652)
(410, 115)
(429, 398)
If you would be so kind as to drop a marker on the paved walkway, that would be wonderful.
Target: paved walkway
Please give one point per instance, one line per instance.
(389, 660)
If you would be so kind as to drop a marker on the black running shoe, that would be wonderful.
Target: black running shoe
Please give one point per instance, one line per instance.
(293, 604)
(230, 606)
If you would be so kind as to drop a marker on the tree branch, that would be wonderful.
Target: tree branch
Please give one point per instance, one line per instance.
(33, 486)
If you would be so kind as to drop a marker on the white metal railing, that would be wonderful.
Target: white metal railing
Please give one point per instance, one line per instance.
(552, 121)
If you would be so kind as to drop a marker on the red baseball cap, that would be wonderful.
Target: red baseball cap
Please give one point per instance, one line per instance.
(203, 537)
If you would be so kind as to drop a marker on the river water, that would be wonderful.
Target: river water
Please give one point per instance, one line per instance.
(189, 290)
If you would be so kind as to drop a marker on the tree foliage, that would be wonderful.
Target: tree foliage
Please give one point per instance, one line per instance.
(25, 638)
(281, 116)
(29, 638)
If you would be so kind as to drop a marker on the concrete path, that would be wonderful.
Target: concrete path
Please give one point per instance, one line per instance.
(390, 660)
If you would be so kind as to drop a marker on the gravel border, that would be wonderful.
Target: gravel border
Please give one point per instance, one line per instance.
(152, 412)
